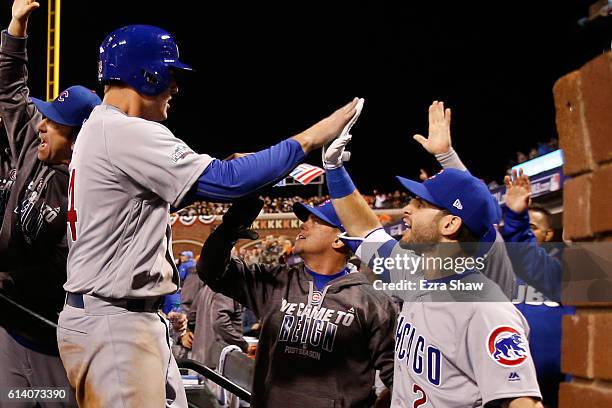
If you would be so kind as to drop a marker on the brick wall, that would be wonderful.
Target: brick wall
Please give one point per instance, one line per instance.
(583, 101)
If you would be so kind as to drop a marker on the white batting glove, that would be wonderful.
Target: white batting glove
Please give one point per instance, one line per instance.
(335, 153)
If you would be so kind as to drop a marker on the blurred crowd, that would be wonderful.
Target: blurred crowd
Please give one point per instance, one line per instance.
(376, 200)
(541, 149)
(269, 250)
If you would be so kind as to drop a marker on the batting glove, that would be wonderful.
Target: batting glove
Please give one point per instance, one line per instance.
(335, 154)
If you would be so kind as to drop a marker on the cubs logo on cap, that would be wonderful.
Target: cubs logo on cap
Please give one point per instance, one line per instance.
(507, 346)
(62, 96)
(71, 108)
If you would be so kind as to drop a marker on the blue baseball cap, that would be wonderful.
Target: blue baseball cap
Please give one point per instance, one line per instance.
(324, 211)
(188, 254)
(71, 108)
(463, 195)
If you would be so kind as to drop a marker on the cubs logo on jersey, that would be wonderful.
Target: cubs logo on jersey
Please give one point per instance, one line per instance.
(507, 346)
(316, 297)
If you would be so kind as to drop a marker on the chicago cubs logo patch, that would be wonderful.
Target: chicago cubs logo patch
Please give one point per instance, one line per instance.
(507, 346)
(316, 297)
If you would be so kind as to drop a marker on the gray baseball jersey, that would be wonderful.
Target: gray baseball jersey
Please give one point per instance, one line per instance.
(460, 348)
(125, 173)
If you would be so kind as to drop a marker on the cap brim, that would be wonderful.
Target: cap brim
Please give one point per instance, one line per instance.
(303, 211)
(416, 188)
(49, 112)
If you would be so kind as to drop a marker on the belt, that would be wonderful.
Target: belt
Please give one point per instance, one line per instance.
(132, 305)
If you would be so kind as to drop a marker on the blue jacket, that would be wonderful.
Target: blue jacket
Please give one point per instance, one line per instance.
(539, 274)
(184, 269)
(531, 262)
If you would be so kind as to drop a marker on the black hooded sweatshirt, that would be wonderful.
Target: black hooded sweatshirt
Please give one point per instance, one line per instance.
(33, 202)
(316, 349)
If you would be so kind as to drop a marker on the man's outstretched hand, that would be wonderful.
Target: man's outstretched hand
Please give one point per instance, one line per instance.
(518, 191)
(21, 11)
(439, 139)
(335, 153)
(327, 129)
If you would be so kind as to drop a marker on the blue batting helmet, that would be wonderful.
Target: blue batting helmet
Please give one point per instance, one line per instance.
(140, 56)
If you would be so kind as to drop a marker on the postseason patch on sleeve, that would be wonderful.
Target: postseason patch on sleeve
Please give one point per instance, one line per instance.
(179, 152)
(507, 346)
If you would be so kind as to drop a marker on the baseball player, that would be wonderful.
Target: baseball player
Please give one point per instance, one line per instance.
(452, 348)
(127, 170)
(498, 266)
(531, 261)
(325, 330)
(33, 204)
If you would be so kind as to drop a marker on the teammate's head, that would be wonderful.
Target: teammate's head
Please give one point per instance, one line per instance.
(185, 256)
(144, 59)
(319, 231)
(451, 206)
(540, 221)
(62, 120)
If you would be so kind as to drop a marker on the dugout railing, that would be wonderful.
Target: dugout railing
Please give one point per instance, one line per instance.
(238, 366)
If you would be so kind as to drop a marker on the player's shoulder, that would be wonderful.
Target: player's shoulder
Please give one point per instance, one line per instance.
(116, 120)
(498, 314)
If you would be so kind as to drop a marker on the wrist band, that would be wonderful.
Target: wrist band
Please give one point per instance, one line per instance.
(339, 183)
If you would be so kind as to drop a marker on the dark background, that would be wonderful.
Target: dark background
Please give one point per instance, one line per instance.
(266, 71)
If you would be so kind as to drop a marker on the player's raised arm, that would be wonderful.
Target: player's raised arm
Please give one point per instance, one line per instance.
(352, 209)
(17, 109)
(531, 262)
(438, 142)
(231, 179)
(20, 12)
(231, 276)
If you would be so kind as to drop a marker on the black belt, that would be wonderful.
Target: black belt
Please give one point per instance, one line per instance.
(133, 305)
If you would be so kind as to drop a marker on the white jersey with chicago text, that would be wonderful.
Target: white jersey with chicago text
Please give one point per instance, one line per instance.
(454, 348)
(124, 175)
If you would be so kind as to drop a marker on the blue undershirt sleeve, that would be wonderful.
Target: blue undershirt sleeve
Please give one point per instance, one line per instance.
(224, 181)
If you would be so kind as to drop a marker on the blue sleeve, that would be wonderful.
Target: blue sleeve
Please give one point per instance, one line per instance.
(339, 183)
(531, 262)
(224, 181)
(171, 301)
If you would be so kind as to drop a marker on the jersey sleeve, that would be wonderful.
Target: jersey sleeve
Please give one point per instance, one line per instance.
(149, 154)
(498, 350)
(393, 265)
